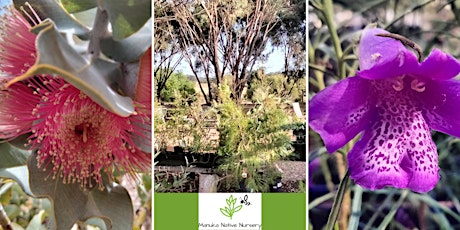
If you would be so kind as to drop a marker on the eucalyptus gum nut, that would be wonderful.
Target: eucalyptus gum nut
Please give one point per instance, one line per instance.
(94, 78)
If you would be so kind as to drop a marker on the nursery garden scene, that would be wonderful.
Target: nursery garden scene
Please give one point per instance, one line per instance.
(230, 96)
(383, 98)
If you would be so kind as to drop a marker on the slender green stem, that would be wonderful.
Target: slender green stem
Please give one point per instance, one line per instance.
(432, 202)
(338, 202)
(380, 209)
(408, 12)
(313, 82)
(391, 214)
(320, 200)
(319, 72)
(315, 5)
(328, 11)
(356, 208)
(326, 172)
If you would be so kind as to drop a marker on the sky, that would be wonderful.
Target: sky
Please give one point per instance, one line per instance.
(4, 3)
(275, 63)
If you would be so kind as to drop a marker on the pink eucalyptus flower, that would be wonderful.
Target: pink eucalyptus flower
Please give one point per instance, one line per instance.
(78, 137)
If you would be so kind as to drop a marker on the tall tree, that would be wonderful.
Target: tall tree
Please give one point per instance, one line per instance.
(166, 49)
(290, 36)
(220, 36)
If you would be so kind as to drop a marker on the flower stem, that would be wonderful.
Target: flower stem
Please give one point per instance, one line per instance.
(320, 200)
(319, 75)
(413, 9)
(346, 203)
(356, 207)
(326, 172)
(337, 202)
(98, 32)
(391, 214)
(328, 11)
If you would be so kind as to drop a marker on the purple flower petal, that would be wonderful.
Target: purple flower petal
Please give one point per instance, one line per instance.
(397, 151)
(374, 162)
(383, 57)
(440, 101)
(341, 111)
(405, 62)
(439, 66)
(375, 50)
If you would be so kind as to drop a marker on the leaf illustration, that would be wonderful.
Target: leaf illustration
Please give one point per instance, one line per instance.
(238, 208)
(228, 201)
(224, 212)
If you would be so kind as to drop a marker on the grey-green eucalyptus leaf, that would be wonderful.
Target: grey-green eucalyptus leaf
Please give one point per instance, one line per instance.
(37, 220)
(20, 174)
(12, 156)
(86, 17)
(73, 6)
(126, 17)
(130, 48)
(95, 78)
(16, 226)
(113, 205)
(97, 222)
(53, 10)
(68, 201)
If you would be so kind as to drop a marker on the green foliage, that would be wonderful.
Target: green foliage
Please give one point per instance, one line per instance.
(173, 182)
(126, 17)
(186, 124)
(72, 6)
(251, 141)
(277, 84)
(178, 84)
(24, 211)
(302, 187)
